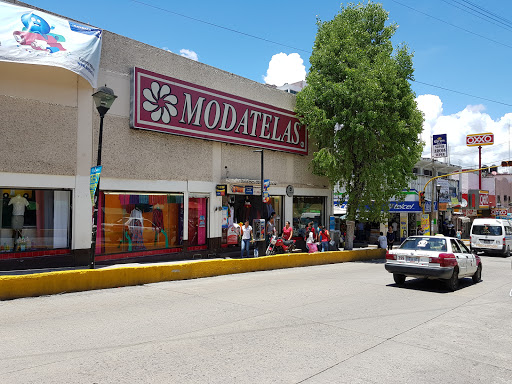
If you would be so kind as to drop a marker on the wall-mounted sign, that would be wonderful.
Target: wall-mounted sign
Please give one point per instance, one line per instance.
(221, 189)
(471, 212)
(165, 104)
(478, 139)
(242, 189)
(439, 146)
(484, 199)
(499, 212)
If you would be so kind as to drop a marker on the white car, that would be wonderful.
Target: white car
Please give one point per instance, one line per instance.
(492, 236)
(434, 257)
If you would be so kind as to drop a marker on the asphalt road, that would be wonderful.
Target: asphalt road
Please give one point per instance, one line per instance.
(342, 323)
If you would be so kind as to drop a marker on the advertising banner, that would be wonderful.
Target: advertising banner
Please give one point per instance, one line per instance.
(439, 146)
(425, 224)
(165, 104)
(266, 185)
(34, 37)
(94, 181)
(403, 225)
(224, 217)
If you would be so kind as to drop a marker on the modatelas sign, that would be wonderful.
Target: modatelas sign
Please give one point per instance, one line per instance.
(164, 104)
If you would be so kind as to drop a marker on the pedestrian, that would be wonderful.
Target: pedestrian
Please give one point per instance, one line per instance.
(310, 242)
(459, 234)
(394, 225)
(270, 229)
(310, 230)
(390, 237)
(246, 238)
(383, 241)
(419, 231)
(323, 238)
(287, 231)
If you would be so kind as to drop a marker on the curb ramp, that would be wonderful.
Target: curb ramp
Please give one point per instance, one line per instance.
(50, 283)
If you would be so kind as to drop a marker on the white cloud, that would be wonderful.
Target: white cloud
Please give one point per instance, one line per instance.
(457, 126)
(284, 68)
(189, 54)
(166, 49)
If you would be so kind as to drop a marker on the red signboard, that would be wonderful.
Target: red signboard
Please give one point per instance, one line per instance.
(478, 139)
(484, 200)
(164, 104)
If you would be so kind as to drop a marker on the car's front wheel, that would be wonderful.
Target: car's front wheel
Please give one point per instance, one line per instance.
(478, 274)
(399, 278)
(453, 282)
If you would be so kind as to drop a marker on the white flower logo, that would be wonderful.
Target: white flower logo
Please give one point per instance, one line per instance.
(160, 102)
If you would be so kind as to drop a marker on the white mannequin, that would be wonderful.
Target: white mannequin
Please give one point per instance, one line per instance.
(19, 203)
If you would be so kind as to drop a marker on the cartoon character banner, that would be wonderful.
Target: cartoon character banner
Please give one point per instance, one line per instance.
(34, 37)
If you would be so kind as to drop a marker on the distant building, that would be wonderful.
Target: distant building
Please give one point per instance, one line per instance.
(293, 88)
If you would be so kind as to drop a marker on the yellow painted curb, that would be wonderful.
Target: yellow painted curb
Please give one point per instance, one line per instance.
(12, 287)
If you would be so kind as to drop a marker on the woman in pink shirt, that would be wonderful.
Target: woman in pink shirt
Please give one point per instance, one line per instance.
(287, 231)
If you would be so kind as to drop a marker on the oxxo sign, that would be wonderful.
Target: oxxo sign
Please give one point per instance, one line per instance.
(484, 200)
(164, 104)
(479, 139)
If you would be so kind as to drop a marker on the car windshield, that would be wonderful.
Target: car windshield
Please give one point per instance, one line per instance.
(492, 230)
(424, 244)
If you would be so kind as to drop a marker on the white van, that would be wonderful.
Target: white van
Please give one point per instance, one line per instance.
(491, 236)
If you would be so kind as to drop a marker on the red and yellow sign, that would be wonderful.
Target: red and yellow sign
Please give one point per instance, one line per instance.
(478, 139)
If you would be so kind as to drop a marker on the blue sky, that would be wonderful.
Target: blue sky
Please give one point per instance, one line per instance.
(453, 49)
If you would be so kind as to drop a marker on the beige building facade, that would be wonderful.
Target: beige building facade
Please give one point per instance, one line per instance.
(159, 191)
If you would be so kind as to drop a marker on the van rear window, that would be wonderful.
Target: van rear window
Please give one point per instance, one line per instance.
(492, 230)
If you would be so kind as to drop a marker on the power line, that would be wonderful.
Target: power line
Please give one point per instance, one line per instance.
(489, 12)
(220, 26)
(453, 25)
(303, 50)
(481, 14)
(463, 93)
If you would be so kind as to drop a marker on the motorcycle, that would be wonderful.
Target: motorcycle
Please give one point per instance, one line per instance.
(278, 245)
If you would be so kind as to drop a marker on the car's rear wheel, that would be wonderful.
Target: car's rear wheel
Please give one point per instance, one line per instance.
(453, 282)
(399, 278)
(478, 274)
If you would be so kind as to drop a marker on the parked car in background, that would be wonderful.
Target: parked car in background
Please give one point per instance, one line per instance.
(433, 257)
(492, 236)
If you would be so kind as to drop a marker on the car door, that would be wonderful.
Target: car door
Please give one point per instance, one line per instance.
(471, 264)
(462, 258)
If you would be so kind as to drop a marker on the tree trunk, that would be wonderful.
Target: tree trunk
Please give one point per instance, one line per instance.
(349, 241)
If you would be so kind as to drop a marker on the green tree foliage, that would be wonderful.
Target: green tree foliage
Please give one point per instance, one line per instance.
(359, 108)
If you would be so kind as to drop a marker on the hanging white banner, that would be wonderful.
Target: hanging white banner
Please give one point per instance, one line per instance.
(34, 37)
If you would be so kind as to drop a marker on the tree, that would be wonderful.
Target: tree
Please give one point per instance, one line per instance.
(360, 110)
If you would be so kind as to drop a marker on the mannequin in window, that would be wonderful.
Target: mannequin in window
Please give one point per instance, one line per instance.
(19, 203)
(247, 209)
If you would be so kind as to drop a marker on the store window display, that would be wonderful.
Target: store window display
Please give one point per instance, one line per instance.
(34, 220)
(138, 222)
(306, 209)
(197, 208)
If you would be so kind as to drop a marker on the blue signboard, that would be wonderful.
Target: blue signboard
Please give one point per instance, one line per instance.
(439, 146)
(409, 206)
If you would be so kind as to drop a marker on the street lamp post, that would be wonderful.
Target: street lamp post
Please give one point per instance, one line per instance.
(261, 244)
(103, 98)
(438, 189)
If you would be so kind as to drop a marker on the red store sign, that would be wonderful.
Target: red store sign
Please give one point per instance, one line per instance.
(478, 139)
(164, 104)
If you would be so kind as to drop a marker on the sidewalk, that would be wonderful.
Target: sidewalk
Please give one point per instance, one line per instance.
(17, 284)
